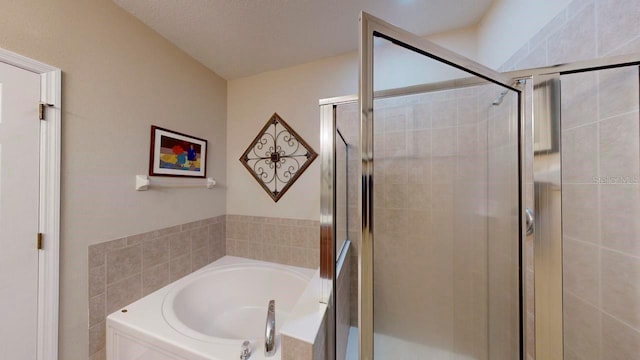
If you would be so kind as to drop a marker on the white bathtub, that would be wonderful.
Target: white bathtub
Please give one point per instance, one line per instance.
(208, 314)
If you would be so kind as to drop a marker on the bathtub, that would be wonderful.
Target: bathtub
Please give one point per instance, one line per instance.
(209, 313)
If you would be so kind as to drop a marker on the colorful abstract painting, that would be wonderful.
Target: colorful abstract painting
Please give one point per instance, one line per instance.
(176, 154)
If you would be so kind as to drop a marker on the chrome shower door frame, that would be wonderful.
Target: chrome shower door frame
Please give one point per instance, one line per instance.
(371, 27)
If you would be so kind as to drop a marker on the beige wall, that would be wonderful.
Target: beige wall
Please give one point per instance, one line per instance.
(119, 77)
(294, 93)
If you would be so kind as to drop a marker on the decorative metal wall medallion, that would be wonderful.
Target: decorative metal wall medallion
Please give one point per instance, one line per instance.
(277, 157)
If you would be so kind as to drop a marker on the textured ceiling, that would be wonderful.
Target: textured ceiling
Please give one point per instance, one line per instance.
(237, 38)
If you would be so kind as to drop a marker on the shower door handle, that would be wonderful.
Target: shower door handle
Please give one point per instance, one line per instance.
(529, 220)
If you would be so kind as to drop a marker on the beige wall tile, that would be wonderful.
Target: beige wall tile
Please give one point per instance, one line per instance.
(615, 18)
(124, 292)
(97, 252)
(554, 25)
(191, 225)
(575, 40)
(154, 278)
(97, 280)
(100, 355)
(419, 143)
(395, 144)
(180, 266)
(394, 119)
(580, 216)
(620, 287)
(199, 257)
(537, 56)
(619, 341)
(632, 47)
(146, 256)
(443, 169)
(582, 323)
(444, 141)
(294, 349)
(579, 103)
(580, 154)
(123, 263)
(468, 139)
(421, 117)
(97, 309)
(581, 270)
(199, 237)
(618, 91)
(155, 251)
(97, 338)
(179, 244)
(620, 146)
(620, 210)
(444, 113)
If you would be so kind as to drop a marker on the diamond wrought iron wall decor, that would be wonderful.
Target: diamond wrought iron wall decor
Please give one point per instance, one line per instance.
(277, 157)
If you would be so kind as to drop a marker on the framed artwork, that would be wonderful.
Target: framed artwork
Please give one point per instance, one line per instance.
(277, 157)
(176, 154)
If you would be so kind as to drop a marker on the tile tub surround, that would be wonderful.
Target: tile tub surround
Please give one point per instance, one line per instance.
(295, 349)
(124, 270)
(280, 240)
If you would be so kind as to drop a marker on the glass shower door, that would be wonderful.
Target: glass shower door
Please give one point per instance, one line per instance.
(439, 259)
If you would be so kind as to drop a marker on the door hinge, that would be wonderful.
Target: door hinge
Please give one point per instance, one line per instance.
(42, 110)
(39, 241)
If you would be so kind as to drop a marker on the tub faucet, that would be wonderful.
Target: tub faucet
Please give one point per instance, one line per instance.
(270, 330)
(245, 350)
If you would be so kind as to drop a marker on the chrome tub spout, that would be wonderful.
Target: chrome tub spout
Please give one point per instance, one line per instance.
(270, 330)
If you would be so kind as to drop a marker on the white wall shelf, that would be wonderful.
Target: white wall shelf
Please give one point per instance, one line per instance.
(144, 182)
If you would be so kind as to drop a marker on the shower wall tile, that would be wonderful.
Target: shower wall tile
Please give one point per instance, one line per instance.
(281, 240)
(537, 54)
(575, 7)
(621, 288)
(574, 41)
(632, 47)
(617, 91)
(619, 341)
(620, 211)
(444, 141)
(582, 328)
(444, 113)
(555, 24)
(581, 275)
(579, 103)
(122, 271)
(580, 154)
(619, 144)
(580, 215)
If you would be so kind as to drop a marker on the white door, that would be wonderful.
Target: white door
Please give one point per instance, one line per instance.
(19, 196)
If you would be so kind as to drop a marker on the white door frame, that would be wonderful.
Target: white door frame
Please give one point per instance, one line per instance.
(49, 221)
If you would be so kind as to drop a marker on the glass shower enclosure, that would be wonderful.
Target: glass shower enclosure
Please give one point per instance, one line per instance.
(482, 215)
(439, 258)
(433, 197)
